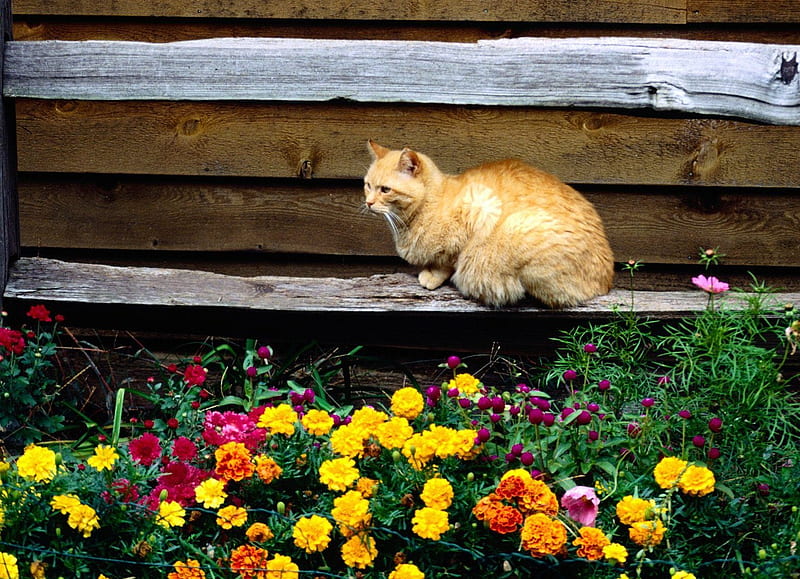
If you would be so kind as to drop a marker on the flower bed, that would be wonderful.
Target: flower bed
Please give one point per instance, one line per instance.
(636, 452)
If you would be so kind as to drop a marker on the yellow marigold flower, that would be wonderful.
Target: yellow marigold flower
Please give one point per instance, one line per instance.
(259, 533)
(359, 551)
(697, 480)
(188, 570)
(278, 419)
(282, 567)
(231, 516)
(542, 536)
(407, 403)
(351, 513)
(430, 523)
(368, 419)
(104, 458)
(348, 440)
(317, 422)
(615, 552)
(437, 494)
(632, 510)
(4, 466)
(234, 461)
(443, 439)
(210, 493)
(312, 534)
(466, 384)
(366, 486)
(518, 472)
(64, 503)
(419, 450)
(338, 473)
(463, 443)
(8, 566)
(683, 575)
(171, 514)
(38, 570)
(394, 432)
(591, 543)
(267, 469)
(647, 533)
(37, 463)
(83, 519)
(668, 471)
(406, 571)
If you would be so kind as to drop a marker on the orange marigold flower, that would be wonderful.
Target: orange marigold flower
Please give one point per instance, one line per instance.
(249, 562)
(485, 507)
(647, 533)
(188, 570)
(590, 543)
(542, 536)
(231, 516)
(511, 487)
(259, 533)
(267, 469)
(234, 461)
(538, 498)
(505, 519)
(366, 486)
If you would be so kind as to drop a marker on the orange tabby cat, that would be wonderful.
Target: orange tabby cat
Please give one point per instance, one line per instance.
(498, 231)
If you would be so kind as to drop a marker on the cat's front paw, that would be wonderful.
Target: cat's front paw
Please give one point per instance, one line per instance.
(433, 278)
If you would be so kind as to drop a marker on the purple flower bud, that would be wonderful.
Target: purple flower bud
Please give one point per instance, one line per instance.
(685, 414)
(593, 435)
(592, 407)
(498, 404)
(453, 392)
(309, 395)
(603, 385)
(699, 441)
(523, 388)
(464, 402)
(484, 434)
(570, 375)
(251, 371)
(714, 453)
(663, 380)
(495, 418)
(584, 418)
(526, 458)
(648, 402)
(590, 348)
(264, 352)
(433, 392)
(517, 449)
(763, 489)
(543, 404)
(510, 457)
(484, 403)
(715, 424)
(535, 416)
(453, 362)
(566, 412)
(634, 429)
(514, 410)
(548, 419)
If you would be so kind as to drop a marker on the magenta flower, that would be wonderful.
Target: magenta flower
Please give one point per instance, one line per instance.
(146, 449)
(710, 284)
(582, 505)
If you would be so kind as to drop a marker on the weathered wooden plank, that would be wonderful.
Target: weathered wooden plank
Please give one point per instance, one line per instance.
(645, 11)
(53, 281)
(276, 140)
(725, 78)
(9, 224)
(754, 228)
(743, 11)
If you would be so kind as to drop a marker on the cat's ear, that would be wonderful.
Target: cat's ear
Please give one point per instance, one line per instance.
(409, 162)
(377, 151)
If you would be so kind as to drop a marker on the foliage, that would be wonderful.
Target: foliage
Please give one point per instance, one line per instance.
(642, 449)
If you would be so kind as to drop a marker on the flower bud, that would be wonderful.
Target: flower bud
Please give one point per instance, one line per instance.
(281, 508)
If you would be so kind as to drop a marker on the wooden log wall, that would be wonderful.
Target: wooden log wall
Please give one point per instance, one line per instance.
(274, 187)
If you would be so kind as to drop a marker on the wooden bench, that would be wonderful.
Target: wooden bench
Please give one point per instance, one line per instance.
(682, 144)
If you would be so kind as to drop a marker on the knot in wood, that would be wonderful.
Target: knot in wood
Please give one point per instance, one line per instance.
(788, 69)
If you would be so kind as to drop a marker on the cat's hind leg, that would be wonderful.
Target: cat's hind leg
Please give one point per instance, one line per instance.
(483, 274)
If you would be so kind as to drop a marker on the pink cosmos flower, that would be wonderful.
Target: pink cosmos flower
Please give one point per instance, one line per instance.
(582, 505)
(710, 284)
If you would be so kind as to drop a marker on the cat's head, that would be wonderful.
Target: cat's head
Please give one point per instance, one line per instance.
(398, 182)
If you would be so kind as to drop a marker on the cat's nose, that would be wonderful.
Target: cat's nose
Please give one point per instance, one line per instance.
(370, 203)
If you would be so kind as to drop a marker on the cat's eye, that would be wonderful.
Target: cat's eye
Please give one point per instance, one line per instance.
(385, 189)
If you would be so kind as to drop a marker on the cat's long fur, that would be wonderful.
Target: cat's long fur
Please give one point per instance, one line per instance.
(498, 231)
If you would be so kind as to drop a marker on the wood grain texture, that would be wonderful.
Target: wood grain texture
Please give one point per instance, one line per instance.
(650, 11)
(754, 228)
(741, 11)
(52, 281)
(9, 217)
(276, 140)
(723, 78)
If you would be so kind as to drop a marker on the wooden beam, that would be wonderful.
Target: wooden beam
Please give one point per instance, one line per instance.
(740, 79)
(9, 217)
(643, 11)
(743, 11)
(277, 139)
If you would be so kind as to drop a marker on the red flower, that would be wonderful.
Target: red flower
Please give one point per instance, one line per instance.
(40, 313)
(173, 423)
(146, 449)
(12, 341)
(184, 449)
(194, 375)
